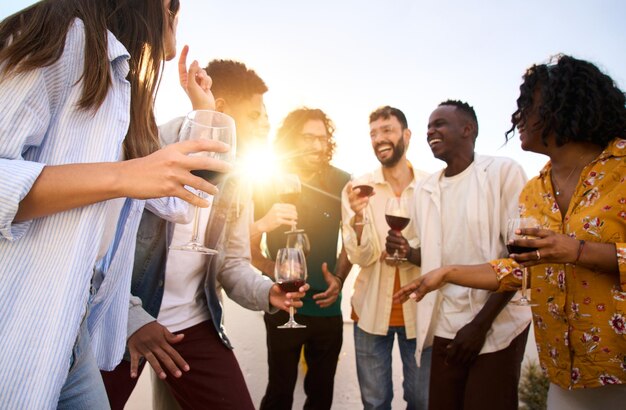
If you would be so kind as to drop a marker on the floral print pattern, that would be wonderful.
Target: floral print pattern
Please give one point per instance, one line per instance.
(580, 320)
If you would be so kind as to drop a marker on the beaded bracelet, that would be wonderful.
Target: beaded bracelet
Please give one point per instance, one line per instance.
(580, 250)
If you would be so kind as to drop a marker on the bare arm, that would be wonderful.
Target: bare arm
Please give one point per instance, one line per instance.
(472, 276)
(259, 260)
(163, 173)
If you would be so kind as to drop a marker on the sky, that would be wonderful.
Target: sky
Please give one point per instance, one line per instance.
(349, 57)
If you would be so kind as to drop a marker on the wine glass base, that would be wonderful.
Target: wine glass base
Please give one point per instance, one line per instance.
(194, 247)
(395, 261)
(291, 325)
(523, 302)
(295, 231)
(361, 223)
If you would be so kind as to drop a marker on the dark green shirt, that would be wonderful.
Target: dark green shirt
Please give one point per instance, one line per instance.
(319, 214)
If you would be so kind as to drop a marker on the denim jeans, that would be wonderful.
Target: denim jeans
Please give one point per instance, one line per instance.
(83, 388)
(373, 364)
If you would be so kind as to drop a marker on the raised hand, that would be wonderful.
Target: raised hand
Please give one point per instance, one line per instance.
(279, 214)
(198, 90)
(331, 294)
(357, 203)
(154, 342)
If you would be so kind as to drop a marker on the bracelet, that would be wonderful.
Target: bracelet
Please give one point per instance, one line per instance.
(340, 280)
(580, 250)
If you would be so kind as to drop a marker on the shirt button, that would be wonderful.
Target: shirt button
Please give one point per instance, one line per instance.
(160, 283)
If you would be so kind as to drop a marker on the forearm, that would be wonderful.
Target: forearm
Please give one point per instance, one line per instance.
(63, 187)
(472, 276)
(496, 302)
(342, 270)
(415, 256)
(601, 257)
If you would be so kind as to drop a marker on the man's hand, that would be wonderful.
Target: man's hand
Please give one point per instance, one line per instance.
(196, 83)
(396, 242)
(279, 214)
(331, 294)
(467, 344)
(284, 301)
(357, 203)
(154, 342)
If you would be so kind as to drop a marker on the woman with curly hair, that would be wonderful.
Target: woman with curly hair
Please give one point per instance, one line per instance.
(575, 114)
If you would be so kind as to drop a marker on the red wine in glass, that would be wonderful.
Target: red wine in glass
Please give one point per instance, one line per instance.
(397, 223)
(213, 177)
(291, 285)
(519, 249)
(289, 197)
(364, 190)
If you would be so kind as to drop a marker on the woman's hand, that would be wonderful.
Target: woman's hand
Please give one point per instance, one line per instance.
(196, 83)
(167, 171)
(421, 286)
(551, 247)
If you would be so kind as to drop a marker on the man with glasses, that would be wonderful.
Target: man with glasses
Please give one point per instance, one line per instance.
(304, 146)
(377, 321)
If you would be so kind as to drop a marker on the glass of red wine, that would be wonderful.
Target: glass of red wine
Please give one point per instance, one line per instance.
(397, 217)
(365, 190)
(289, 189)
(290, 275)
(513, 225)
(210, 125)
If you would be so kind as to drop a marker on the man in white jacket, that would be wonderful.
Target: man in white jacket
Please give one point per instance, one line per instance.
(461, 215)
(377, 321)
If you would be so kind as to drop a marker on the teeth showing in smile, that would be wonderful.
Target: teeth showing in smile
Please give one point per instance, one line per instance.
(434, 141)
(384, 148)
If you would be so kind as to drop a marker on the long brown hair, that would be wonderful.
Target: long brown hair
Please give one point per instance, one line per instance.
(35, 37)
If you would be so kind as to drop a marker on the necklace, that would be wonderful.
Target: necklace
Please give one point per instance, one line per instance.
(557, 191)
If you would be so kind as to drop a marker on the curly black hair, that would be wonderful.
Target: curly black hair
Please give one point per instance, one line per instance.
(465, 108)
(577, 102)
(234, 81)
(291, 127)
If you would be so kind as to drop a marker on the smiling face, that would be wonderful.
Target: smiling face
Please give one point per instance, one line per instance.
(449, 131)
(313, 142)
(389, 140)
(250, 119)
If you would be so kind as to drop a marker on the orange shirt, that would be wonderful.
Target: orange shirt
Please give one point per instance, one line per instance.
(580, 323)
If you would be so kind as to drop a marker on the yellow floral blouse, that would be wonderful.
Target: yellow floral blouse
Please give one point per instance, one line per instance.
(580, 323)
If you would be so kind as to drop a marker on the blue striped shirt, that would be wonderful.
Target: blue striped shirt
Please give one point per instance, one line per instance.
(47, 264)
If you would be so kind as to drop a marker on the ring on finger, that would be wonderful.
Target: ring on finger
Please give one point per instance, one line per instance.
(538, 254)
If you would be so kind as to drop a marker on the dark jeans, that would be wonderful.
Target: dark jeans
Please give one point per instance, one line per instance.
(322, 339)
(489, 382)
(215, 380)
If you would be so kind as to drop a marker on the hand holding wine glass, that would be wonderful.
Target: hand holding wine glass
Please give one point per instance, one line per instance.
(397, 217)
(208, 125)
(362, 189)
(290, 274)
(289, 189)
(299, 240)
(513, 227)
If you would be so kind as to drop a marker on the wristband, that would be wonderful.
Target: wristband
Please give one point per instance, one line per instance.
(580, 251)
(340, 280)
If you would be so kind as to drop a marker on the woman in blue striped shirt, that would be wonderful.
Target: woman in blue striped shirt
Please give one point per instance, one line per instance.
(77, 83)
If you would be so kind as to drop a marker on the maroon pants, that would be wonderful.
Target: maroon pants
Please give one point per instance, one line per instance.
(214, 380)
(489, 382)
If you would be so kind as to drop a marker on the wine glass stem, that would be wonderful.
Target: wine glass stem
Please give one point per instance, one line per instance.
(291, 319)
(196, 223)
(524, 283)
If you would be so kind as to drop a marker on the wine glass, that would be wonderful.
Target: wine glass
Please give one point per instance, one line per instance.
(512, 226)
(209, 125)
(290, 275)
(397, 217)
(299, 240)
(289, 189)
(366, 189)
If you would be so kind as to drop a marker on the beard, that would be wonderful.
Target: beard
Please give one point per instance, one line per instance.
(398, 152)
